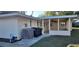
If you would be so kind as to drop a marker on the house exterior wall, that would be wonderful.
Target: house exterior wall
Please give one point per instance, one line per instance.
(34, 23)
(8, 27)
(12, 26)
(21, 21)
(21, 25)
(69, 25)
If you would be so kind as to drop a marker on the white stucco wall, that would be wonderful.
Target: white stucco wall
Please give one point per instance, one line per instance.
(12, 26)
(34, 23)
(22, 21)
(21, 24)
(69, 25)
(8, 27)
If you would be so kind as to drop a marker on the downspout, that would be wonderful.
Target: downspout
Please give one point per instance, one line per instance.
(31, 19)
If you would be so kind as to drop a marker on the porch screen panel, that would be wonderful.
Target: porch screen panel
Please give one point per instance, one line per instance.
(54, 25)
(63, 24)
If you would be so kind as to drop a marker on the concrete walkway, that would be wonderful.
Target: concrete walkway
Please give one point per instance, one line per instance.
(23, 42)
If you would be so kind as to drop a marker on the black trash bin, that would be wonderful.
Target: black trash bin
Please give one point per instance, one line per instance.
(37, 31)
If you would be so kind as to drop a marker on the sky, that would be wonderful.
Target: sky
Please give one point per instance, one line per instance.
(35, 14)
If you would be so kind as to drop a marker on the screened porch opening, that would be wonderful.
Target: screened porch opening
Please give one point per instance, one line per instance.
(59, 24)
(53, 24)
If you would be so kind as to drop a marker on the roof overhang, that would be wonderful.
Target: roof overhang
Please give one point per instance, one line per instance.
(18, 15)
(37, 18)
(59, 17)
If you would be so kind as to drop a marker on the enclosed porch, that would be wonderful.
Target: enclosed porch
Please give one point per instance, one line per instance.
(61, 25)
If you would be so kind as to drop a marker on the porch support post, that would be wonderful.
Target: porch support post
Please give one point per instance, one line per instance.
(58, 24)
(30, 22)
(49, 25)
(42, 26)
(37, 24)
(69, 25)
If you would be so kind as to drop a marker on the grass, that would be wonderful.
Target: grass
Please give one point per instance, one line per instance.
(75, 27)
(59, 41)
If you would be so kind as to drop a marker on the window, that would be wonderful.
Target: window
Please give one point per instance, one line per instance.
(25, 25)
(62, 23)
(63, 26)
(39, 23)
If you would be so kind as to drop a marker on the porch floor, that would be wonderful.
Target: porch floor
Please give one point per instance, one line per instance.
(23, 42)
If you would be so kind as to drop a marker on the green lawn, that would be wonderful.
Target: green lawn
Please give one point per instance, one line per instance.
(59, 41)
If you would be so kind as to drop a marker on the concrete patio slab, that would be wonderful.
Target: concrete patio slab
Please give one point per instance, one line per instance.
(23, 42)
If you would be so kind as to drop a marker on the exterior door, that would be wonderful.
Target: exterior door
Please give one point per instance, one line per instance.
(46, 26)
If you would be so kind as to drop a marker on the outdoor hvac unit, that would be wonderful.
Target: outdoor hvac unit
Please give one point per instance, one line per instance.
(27, 33)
